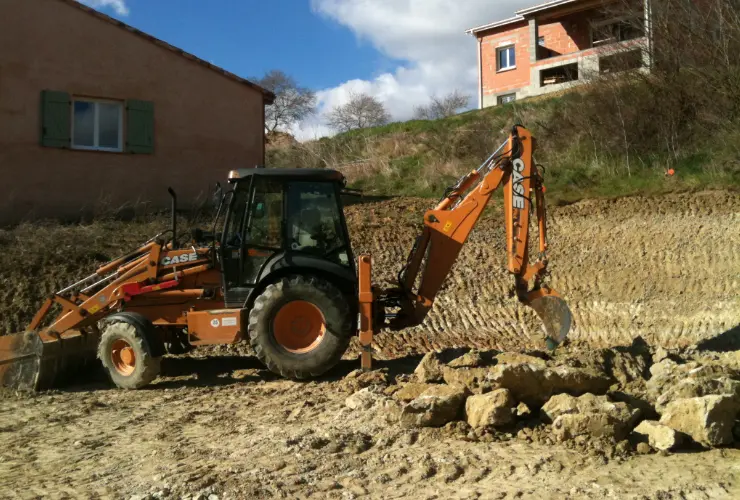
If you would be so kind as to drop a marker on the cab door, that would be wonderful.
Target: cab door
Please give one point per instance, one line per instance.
(264, 230)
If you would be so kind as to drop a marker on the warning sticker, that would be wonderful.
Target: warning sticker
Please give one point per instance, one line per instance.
(214, 323)
(228, 322)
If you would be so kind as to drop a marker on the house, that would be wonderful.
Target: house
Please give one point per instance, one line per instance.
(94, 112)
(558, 44)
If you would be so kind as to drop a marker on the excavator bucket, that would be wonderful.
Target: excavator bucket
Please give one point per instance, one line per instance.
(29, 363)
(556, 317)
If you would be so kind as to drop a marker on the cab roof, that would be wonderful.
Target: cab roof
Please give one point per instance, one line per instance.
(303, 174)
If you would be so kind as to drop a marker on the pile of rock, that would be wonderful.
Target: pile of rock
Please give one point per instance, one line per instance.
(641, 399)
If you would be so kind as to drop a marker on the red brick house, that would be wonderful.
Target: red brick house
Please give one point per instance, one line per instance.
(93, 111)
(558, 44)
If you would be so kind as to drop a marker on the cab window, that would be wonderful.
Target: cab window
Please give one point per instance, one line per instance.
(314, 221)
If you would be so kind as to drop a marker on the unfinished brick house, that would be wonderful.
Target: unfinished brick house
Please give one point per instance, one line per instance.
(558, 44)
(94, 112)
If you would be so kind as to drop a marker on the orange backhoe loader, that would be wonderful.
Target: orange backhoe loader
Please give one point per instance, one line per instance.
(277, 268)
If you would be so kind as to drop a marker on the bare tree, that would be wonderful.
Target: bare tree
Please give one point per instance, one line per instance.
(361, 111)
(442, 107)
(292, 102)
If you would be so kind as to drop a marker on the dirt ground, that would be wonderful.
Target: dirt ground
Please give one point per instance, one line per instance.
(217, 425)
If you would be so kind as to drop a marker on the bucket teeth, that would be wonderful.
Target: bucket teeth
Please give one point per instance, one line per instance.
(28, 363)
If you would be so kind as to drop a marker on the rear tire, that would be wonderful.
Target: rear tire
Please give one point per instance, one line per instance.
(300, 326)
(125, 351)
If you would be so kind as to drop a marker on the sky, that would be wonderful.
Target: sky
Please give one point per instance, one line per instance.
(401, 51)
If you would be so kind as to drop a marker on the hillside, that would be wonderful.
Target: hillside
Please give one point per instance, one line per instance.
(583, 159)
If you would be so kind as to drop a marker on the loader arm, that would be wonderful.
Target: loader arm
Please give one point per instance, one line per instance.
(448, 225)
(37, 358)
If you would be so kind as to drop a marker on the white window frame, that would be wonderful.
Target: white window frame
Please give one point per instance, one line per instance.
(96, 130)
(500, 99)
(509, 66)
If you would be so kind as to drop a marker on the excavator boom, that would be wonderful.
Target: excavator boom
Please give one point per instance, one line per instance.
(448, 225)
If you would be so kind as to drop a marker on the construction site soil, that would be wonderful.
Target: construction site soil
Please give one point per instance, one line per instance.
(664, 271)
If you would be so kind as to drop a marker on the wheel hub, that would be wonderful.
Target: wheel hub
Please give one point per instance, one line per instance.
(299, 326)
(123, 357)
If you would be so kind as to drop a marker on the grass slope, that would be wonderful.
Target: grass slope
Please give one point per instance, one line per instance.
(422, 158)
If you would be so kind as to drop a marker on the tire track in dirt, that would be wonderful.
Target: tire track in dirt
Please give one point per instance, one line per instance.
(666, 268)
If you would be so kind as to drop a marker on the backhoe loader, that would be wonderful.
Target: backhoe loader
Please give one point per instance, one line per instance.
(277, 269)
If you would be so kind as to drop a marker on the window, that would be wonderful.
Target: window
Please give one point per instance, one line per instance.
(614, 31)
(506, 58)
(97, 125)
(266, 215)
(560, 74)
(506, 99)
(314, 221)
(541, 41)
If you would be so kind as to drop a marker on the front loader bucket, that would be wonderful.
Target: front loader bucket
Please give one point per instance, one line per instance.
(555, 315)
(28, 363)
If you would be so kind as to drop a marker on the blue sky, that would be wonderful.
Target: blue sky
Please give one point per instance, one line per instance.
(400, 51)
(250, 37)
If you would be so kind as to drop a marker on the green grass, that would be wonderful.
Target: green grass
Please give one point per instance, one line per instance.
(422, 157)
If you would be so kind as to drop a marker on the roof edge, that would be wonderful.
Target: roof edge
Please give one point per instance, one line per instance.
(544, 6)
(497, 24)
(269, 96)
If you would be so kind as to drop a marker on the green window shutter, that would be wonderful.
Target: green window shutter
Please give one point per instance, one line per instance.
(56, 119)
(139, 127)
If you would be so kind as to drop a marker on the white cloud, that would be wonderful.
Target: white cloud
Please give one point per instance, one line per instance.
(118, 6)
(428, 36)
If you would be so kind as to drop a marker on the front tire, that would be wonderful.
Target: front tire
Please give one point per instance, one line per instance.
(300, 326)
(125, 351)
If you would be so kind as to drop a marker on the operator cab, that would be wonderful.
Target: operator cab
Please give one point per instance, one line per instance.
(278, 221)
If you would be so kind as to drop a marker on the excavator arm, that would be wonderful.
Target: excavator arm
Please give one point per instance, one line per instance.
(447, 227)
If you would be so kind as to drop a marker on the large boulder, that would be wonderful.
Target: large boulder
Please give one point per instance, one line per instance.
(475, 380)
(470, 359)
(430, 368)
(435, 407)
(671, 381)
(411, 391)
(492, 409)
(589, 416)
(659, 436)
(528, 382)
(708, 420)
(518, 358)
(534, 384)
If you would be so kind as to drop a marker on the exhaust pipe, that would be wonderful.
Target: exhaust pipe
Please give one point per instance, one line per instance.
(174, 217)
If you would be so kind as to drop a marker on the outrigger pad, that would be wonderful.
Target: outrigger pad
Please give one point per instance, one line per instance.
(555, 315)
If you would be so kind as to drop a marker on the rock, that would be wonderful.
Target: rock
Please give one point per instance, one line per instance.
(474, 380)
(430, 368)
(534, 385)
(671, 381)
(660, 354)
(588, 415)
(359, 379)
(708, 420)
(643, 448)
(364, 399)
(697, 387)
(659, 436)
(411, 391)
(471, 359)
(588, 425)
(489, 410)
(523, 411)
(563, 404)
(518, 358)
(434, 407)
